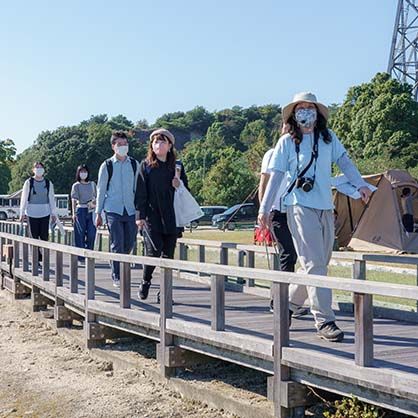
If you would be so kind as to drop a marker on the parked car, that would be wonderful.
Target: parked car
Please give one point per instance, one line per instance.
(209, 212)
(237, 215)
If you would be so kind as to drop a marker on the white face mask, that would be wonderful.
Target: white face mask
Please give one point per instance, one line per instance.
(122, 150)
(83, 175)
(39, 171)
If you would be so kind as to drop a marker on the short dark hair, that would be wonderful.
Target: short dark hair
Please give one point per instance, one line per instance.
(79, 168)
(116, 135)
(37, 163)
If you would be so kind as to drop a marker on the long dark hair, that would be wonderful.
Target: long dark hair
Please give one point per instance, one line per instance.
(79, 168)
(152, 159)
(320, 128)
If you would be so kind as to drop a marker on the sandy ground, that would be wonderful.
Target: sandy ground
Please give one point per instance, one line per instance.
(42, 374)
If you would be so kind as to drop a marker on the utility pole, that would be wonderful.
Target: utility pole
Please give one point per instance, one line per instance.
(403, 59)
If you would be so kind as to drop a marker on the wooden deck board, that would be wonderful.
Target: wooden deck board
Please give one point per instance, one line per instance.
(395, 343)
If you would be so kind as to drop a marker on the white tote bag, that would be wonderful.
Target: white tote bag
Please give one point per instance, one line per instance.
(185, 206)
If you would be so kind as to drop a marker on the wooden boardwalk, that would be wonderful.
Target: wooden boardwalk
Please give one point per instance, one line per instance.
(377, 361)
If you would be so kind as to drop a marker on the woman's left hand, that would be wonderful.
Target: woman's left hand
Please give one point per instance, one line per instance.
(365, 193)
(176, 183)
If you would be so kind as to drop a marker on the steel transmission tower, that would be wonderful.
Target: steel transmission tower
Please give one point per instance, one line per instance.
(403, 60)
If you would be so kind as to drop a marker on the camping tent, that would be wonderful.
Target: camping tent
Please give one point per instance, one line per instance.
(378, 226)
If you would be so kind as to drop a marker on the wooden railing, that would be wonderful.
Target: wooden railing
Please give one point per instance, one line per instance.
(362, 290)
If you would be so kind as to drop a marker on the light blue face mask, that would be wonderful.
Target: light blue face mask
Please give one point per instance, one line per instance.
(306, 118)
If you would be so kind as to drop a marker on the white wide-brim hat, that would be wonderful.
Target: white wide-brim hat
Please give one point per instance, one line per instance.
(303, 97)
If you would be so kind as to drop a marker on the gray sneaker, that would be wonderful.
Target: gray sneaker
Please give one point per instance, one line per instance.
(330, 332)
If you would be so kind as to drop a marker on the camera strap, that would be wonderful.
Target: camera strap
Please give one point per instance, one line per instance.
(314, 157)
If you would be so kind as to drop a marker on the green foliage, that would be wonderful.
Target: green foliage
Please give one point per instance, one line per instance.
(229, 180)
(379, 119)
(352, 408)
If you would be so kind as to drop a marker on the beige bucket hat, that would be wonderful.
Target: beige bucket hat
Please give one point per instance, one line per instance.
(164, 132)
(303, 97)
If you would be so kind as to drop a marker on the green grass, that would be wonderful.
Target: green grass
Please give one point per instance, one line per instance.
(244, 236)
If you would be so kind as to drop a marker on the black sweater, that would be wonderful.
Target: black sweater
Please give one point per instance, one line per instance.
(154, 197)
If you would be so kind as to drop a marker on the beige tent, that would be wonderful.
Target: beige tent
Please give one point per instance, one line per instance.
(378, 225)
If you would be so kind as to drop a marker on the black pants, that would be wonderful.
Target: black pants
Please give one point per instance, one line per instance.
(39, 229)
(408, 222)
(165, 245)
(288, 256)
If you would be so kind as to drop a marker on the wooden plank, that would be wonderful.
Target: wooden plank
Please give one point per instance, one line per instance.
(125, 286)
(202, 253)
(90, 278)
(250, 264)
(73, 273)
(218, 303)
(35, 260)
(16, 254)
(363, 313)
(281, 339)
(166, 312)
(58, 268)
(45, 264)
(359, 270)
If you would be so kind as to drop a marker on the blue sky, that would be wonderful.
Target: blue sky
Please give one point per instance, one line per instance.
(64, 61)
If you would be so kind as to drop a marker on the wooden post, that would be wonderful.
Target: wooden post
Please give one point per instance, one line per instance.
(25, 256)
(58, 236)
(39, 301)
(125, 286)
(202, 253)
(217, 290)
(16, 255)
(35, 260)
(251, 264)
(183, 251)
(417, 285)
(45, 264)
(100, 241)
(223, 258)
(53, 235)
(363, 317)
(166, 311)
(359, 270)
(58, 268)
(73, 273)
(241, 263)
(2, 244)
(109, 243)
(276, 261)
(281, 339)
(90, 278)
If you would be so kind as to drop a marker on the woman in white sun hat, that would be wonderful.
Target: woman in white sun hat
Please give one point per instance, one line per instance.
(304, 157)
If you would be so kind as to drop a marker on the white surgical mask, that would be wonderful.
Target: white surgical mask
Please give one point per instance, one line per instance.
(83, 175)
(39, 171)
(122, 150)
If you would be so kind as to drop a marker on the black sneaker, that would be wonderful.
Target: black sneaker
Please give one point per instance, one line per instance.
(330, 332)
(144, 290)
(301, 311)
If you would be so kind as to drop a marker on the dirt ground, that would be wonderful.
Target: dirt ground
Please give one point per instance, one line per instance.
(42, 374)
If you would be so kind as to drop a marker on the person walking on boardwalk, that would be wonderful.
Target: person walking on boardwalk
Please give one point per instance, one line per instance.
(83, 196)
(116, 198)
(304, 157)
(159, 176)
(37, 204)
(282, 235)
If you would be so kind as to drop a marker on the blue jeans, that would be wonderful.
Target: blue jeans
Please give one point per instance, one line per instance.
(84, 229)
(122, 234)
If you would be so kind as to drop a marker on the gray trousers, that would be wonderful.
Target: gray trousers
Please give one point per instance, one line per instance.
(313, 235)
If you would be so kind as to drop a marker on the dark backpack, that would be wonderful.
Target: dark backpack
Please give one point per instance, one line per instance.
(31, 180)
(109, 167)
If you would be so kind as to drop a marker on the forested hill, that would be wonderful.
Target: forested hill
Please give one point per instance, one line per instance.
(222, 150)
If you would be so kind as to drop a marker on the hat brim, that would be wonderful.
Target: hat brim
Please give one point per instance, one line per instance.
(288, 109)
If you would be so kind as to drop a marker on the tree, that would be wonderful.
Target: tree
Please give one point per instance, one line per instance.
(229, 181)
(256, 152)
(252, 131)
(379, 118)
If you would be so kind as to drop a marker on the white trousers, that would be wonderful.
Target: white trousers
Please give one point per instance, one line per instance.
(313, 235)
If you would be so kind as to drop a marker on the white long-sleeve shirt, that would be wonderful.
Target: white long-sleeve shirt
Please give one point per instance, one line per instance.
(37, 210)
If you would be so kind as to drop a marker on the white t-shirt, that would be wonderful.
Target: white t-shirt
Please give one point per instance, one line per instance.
(277, 205)
(285, 159)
